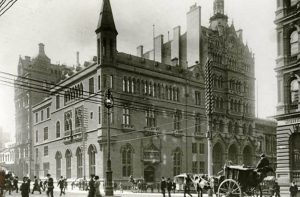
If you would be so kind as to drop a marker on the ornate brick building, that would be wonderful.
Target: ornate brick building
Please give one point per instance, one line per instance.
(288, 72)
(158, 122)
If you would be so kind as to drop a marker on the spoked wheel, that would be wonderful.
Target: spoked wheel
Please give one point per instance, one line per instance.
(229, 188)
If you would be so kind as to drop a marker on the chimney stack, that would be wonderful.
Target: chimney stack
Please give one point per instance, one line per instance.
(41, 49)
(77, 58)
(140, 51)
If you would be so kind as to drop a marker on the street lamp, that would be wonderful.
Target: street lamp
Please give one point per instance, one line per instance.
(108, 103)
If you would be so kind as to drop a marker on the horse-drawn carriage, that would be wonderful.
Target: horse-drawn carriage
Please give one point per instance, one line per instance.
(240, 181)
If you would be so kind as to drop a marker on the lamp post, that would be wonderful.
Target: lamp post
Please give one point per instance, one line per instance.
(108, 103)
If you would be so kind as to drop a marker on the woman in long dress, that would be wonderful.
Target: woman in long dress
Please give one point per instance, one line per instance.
(97, 186)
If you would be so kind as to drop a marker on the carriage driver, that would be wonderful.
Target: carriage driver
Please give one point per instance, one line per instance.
(262, 166)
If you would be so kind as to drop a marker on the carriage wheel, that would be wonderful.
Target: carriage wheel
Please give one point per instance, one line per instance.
(229, 188)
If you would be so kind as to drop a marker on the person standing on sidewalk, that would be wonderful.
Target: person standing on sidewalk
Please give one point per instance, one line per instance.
(294, 189)
(97, 187)
(36, 186)
(61, 185)
(91, 187)
(169, 186)
(50, 185)
(25, 187)
(163, 186)
(15, 183)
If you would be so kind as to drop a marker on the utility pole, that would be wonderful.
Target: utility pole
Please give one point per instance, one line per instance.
(209, 107)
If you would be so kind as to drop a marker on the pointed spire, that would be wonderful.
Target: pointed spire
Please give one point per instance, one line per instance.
(106, 20)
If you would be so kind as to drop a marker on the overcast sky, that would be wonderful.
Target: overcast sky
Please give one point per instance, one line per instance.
(68, 26)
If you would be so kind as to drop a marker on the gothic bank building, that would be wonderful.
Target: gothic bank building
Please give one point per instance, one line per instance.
(158, 122)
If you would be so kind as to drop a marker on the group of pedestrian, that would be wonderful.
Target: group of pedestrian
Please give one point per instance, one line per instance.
(94, 187)
(167, 185)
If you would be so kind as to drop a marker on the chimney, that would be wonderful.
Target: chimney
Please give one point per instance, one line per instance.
(77, 58)
(158, 42)
(193, 35)
(239, 34)
(175, 45)
(41, 49)
(27, 58)
(140, 51)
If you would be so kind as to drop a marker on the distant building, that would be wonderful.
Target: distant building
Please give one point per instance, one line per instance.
(288, 72)
(35, 76)
(4, 137)
(158, 122)
(7, 157)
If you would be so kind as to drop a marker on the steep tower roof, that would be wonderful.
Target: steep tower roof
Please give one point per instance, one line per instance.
(106, 20)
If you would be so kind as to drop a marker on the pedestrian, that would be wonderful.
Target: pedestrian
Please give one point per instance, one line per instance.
(163, 186)
(174, 186)
(45, 183)
(276, 189)
(121, 187)
(50, 184)
(187, 184)
(61, 185)
(41, 185)
(97, 187)
(15, 183)
(2, 182)
(25, 187)
(169, 186)
(197, 186)
(72, 184)
(66, 185)
(293, 189)
(92, 187)
(36, 186)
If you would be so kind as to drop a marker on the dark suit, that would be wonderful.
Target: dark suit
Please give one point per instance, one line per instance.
(163, 186)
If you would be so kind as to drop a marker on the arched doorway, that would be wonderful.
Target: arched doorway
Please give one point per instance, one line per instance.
(233, 154)
(217, 158)
(295, 151)
(247, 156)
(149, 174)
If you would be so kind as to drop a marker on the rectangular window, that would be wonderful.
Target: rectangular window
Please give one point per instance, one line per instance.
(99, 82)
(42, 115)
(194, 147)
(57, 102)
(150, 118)
(36, 117)
(46, 168)
(197, 98)
(201, 148)
(279, 43)
(126, 116)
(197, 124)
(91, 86)
(36, 136)
(99, 114)
(201, 167)
(195, 167)
(46, 133)
(111, 84)
(46, 151)
(104, 81)
(177, 120)
(36, 154)
(48, 113)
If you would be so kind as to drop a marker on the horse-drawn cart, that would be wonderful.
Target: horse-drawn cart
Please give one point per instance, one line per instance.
(240, 181)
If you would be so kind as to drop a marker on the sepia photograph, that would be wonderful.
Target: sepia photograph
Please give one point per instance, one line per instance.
(149, 98)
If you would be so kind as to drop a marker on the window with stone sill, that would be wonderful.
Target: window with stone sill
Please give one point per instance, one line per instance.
(126, 116)
(294, 43)
(294, 91)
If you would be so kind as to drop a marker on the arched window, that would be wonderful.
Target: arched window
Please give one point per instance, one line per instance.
(250, 131)
(294, 2)
(247, 156)
(230, 129)
(295, 151)
(177, 161)
(244, 129)
(58, 157)
(92, 159)
(294, 43)
(126, 153)
(217, 158)
(79, 162)
(233, 154)
(57, 129)
(68, 163)
(294, 91)
(236, 128)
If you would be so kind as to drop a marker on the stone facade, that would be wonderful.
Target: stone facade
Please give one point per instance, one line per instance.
(158, 122)
(288, 71)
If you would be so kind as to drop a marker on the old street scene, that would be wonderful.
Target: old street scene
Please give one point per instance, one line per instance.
(149, 98)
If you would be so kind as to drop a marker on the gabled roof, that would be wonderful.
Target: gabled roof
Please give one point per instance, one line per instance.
(106, 20)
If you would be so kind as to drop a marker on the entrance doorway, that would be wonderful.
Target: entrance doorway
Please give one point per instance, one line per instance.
(149, 174)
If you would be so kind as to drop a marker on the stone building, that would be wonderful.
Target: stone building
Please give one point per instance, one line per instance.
(158, 122)
(288, 72)
(35, 76)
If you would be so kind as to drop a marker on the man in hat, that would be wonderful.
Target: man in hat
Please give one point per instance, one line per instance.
(50, 185)
(262, 166)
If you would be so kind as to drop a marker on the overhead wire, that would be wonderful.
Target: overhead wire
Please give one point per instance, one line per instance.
(12, 3)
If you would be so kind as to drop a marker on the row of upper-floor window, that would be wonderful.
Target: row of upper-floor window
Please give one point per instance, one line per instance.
(42, 115)
(163, 91)
(233, 128)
